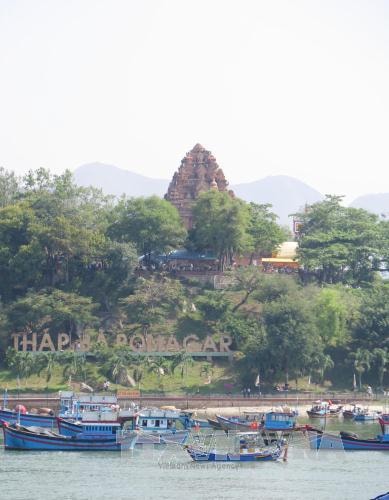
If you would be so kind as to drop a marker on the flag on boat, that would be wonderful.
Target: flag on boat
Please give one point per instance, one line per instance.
(257, 381)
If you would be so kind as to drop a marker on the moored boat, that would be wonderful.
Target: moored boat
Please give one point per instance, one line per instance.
(280, 420)
(189, 421)
(324, 409)
(27, 419)
(319, 440)
(17, 437)
(366, 415)
(154, 426)
(248, 448)
(158, 426)
(351, 411)
(249, 422)
(214, 424)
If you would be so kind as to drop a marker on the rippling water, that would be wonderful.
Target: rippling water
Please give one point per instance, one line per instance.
(169, 474)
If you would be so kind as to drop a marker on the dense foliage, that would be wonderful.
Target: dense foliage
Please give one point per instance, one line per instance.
(69, 263)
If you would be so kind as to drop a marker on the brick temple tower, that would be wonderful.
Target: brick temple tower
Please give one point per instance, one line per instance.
(197, 173)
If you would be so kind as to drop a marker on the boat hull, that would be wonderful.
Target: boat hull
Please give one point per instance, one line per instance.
(17, 439)
(324, 441)
(168, 437)
(144, 437)
(228, 424)
(27, 419)
(199, 455)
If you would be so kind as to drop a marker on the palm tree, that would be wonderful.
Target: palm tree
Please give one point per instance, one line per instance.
(362, 363)
(158, 365)
(320, 363)
(183, 360)
(117, 366)
(22, 363)
(74, 365)
(381, 357)
(48, 362)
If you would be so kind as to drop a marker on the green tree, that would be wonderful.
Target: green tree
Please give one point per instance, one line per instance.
(9, 187)
(339, 244)
(152, 224)
(370, 327)
(248, 280)
(182, 360)
(381, 358)
(153, 299)
(52, 310)
(21, 364)
(362, 358)
(319, 363)
(213, 307)
(47, 362)
(220, 224)
(158, 365)
(291, 335)
(263, 229)
(333, 310)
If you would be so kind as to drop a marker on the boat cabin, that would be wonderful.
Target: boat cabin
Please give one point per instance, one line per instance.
(157, 420)
(73, 404)
(279, 421)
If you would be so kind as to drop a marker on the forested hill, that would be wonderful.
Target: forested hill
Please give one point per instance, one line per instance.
(69, 267)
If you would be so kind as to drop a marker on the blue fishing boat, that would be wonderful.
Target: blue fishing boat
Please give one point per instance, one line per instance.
(159, 426)
(154, 426)
(27, 419)
(189, 421)
(18, 437)
(280, 421)
(366, 415)
(248, 448)
(73, 405)
(319, 440)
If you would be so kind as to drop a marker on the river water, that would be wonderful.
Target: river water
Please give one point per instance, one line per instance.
(170, 474)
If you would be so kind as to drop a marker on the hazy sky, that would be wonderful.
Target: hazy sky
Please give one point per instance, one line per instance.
(271, 87)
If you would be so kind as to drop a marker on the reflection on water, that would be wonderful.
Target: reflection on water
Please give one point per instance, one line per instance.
(168, 473)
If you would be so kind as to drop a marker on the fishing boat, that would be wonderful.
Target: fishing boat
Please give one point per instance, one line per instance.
(366, 415)
(159, 426)
(154, 426)
(73, 405)
(248, 447)
(351, 411)
(280, 420)
(319, 440)
(189, 421)
(324, 409)
(18, 437)
(98, 424)
(214, 424)
(21, 415)
(250, 421)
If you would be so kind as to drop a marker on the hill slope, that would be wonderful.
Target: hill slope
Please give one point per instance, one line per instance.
(377, 203)
(114, 180)
(286, 194)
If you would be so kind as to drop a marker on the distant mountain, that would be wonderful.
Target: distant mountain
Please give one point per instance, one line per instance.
(287, 195)
(377, 203)
(114, 180)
